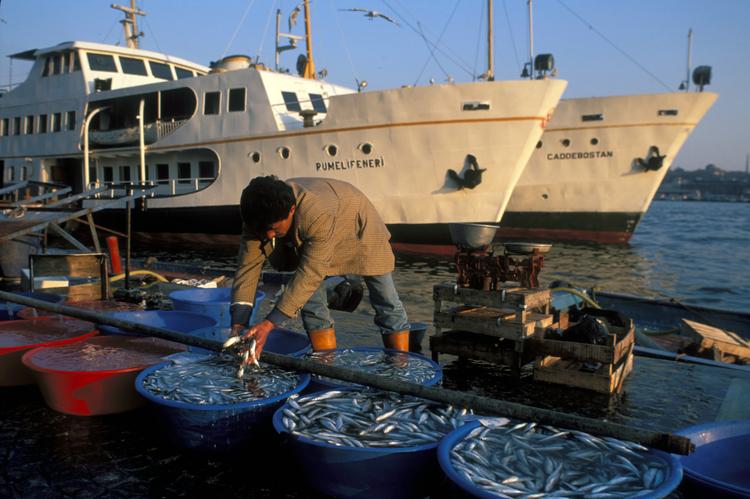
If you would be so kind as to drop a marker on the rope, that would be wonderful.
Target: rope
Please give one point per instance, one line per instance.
(510, 32)
(158, 277)
(237, 29)
(265, 30)
(432, 50)
(579, 294)
(345, 44)
(479, 39)
(601, 35)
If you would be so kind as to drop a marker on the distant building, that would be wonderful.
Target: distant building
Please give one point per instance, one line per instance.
(710, 184)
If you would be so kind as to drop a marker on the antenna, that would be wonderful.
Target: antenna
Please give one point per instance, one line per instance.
(130, 23)
(279, 35)
(685, 85)
(490, 44)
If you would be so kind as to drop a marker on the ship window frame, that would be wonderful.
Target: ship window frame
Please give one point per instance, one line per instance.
(124, 171)
(160, 179)
(46, 70)
(182, 179)
(160, 66)
(42, 123)
(56, 64)
(291, 101)
(56, 125)
(16, 125)
(232, 105)
(592, 117)
(76, 62)
(129, 66)
(318, 103)
(28, 124)
(202, 165)
(108, 174)
(70, 120)
(182, 73)
(4, 127)
(95, 60)
(214, 106)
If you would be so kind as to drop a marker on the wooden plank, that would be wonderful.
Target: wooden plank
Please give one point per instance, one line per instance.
(709, 337)
(76, 265)
(586, 351)
(85, 292)
(64, 234)
(491, 326)
(46, 195)
(512, 296)
(567, 372)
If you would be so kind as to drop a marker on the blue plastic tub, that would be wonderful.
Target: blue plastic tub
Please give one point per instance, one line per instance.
(213, 302)
(281, 341)
(720, 465)
(8, 310)
(217, 427)
(356, 472)
(467, 489)
(183, 322)
(318, 384)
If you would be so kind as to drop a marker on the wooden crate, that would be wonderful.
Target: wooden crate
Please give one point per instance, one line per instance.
(480, 347)
(707, 338)
(506, 297)
(561, 361)
(492, 322)
(608, 378)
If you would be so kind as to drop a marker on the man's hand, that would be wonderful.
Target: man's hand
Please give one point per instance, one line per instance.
(260, 332)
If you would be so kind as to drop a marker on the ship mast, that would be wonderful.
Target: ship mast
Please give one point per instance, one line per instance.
(130, 23)
(490, 44)
(310, 66)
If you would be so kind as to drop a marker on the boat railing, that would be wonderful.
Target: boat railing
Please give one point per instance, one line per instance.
(165, 128)
(163, 188)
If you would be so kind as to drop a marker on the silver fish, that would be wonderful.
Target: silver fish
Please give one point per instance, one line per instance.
(395, 365)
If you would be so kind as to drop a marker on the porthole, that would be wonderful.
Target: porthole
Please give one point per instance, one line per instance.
(365, 147)
(539, 144)
(332, 150)
(255, 157)
(565, 142)
(284, 152)
(594, 141)
(545, 196)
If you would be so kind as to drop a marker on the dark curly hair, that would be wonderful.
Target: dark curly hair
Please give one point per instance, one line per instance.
(265, 201)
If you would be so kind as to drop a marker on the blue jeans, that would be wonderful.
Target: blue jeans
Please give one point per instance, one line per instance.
(390, 315)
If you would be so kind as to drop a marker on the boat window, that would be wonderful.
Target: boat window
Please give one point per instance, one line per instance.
(211, 101)
(125, 173)
(291, 101)
(76, 62)
(64, 63)
(183, 173)
(24, 173)
(56, 122)
(133, 66)
(56, 64)
(539, 144)
(565, 142)
(109, 174)
(318, 103)
(17, 125)
(592, 117)
(42, 123)
(206, 170)
(162, 173)
(594, 141)
(92, 174)
(29, 125)
(159, 70)
(101, 62)
(47, 66)
(4, 127)
(11, 174)
(236, 99)
(183, 73)
(667, 112)
(70, 120)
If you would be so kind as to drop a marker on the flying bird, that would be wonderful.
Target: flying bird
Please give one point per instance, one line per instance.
(372, 14)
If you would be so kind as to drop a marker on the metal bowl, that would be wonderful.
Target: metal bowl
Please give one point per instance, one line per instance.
(472, 236)
(520, 248)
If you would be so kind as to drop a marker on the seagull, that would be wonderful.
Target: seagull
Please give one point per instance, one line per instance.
(293, 16)
(372, 14)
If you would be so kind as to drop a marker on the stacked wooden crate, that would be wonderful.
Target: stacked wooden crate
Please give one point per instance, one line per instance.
(494, 326)
(571, 363)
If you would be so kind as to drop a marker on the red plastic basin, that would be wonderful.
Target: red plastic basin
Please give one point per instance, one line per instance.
(95, 305)
(18, 337)
(96, 376)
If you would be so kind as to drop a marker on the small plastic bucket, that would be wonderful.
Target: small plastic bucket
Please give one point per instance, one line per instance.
(280, 340)
(720, 465)
(61, 331)
(212, 302)
(97, 391)
(184, 322)
(469, 489)
(320, 384)
(357, 472)
(9, 310)
(215, 427)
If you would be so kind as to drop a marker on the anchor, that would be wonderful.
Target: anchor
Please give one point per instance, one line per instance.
(472, 176)
(653, 161)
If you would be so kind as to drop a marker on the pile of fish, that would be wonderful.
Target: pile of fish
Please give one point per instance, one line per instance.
(370, 418)
(396, 365)
(213, 380)
(526, 460)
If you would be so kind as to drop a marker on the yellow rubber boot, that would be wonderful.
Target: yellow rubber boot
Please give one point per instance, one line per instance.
(322, 339)
(397, 341)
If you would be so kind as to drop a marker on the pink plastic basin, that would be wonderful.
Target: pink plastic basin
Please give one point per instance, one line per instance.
(94, 305)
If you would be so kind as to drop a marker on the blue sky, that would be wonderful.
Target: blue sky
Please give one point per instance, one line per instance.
(594, 43)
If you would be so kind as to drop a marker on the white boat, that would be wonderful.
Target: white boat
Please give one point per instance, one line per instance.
(206, 132)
